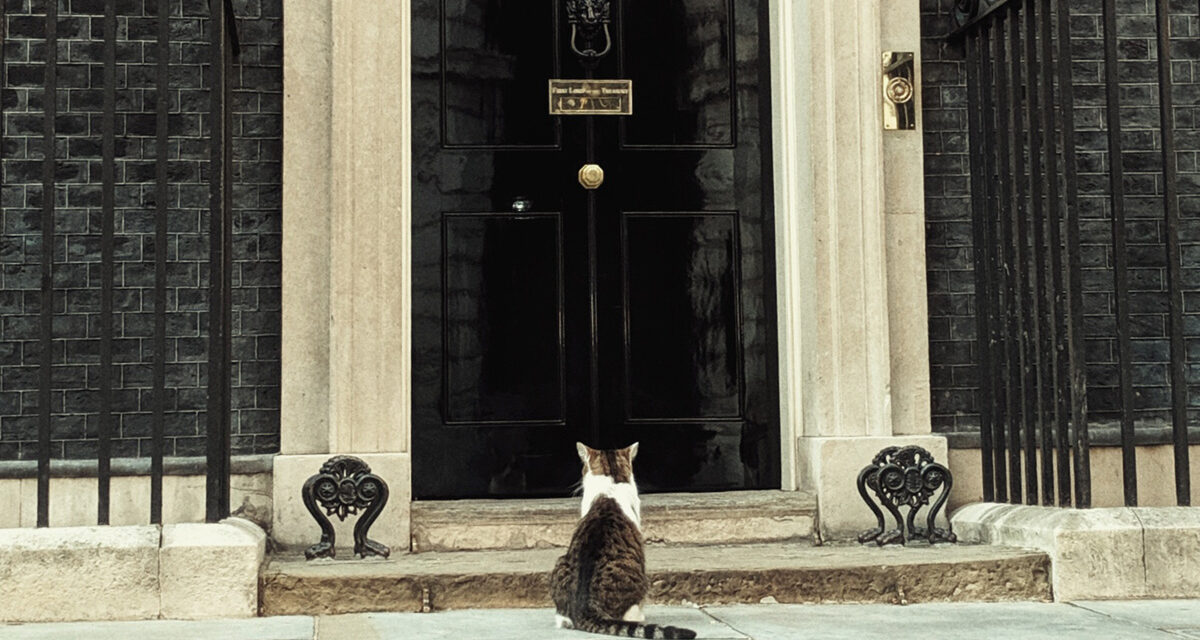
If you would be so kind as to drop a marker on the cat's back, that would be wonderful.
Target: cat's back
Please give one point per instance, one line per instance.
(606, 527)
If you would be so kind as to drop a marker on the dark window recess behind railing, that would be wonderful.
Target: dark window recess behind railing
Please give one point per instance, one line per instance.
(50, 47)
(1051, 239)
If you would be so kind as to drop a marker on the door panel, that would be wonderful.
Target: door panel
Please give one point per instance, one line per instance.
(544, 313)
(495, 58)
(683, 352)
(685, 98)
(505, 354)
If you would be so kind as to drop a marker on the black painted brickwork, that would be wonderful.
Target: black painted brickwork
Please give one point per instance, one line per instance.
(948, 228)
(257, 126)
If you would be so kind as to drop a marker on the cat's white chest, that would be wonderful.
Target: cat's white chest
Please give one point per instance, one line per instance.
(623, 493)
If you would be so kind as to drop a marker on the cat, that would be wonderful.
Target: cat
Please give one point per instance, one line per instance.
(599, 584)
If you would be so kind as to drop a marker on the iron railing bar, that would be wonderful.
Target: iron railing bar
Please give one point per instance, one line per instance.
(3, 78)
(992, 208)
(1179, 391)
(983, 272)
(1055, 281)
(1116, 185)
(3, 84)
(234, 39)
(1024, 438)
(46, 329)
(161, 143)
(1012, 305)
(1073, 278)
(220, 265)
(227, 241)
(107, 224)
(1037, 271)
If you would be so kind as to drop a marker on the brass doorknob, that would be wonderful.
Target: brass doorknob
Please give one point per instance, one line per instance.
(591, 176)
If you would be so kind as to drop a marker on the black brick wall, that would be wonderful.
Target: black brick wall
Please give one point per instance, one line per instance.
(257, 150)
(947, 200)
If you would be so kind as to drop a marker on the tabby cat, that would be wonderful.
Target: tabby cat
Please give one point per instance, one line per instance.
(600, 583)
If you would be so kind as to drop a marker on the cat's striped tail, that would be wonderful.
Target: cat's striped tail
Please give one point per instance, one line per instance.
(632, 629)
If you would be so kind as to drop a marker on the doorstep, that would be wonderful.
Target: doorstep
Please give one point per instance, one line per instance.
(735, 517)
(748, 573)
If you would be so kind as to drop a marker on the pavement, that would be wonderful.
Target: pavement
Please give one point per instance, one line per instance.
(1125, 620)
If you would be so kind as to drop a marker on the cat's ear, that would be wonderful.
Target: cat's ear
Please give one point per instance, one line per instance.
(583, 451)
(633, 451)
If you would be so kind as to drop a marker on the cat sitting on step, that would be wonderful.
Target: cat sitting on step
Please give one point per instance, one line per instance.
(600, 583)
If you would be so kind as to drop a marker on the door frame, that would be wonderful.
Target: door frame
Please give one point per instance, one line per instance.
(327, 404)
(439, 474)
(853, 363)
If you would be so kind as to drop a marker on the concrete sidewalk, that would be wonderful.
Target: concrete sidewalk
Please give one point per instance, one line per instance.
(1127, 620)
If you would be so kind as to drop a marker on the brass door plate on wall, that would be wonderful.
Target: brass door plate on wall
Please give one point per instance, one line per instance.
(899, 91)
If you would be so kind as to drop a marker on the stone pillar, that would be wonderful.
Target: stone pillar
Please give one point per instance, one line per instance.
(346, 246)
(904, 213)
(853, 346)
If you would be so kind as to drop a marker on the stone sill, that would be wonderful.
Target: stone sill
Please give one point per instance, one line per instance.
(1101, 435)
(1113, 553)
(173, 466)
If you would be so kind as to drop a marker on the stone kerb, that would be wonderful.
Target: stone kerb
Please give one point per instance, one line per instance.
(130, 572)
(210, 571)
(79, 573)
(1114, 553)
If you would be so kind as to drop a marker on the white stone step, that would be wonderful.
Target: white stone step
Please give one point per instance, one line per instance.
(790, 572)
(736, 517)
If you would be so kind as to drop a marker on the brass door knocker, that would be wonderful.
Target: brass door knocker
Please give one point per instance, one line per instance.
(589, 19)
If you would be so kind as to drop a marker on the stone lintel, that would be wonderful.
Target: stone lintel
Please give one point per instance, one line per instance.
(1111, 553)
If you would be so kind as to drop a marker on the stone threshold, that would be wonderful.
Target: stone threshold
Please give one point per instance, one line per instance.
(786, 573)
(668, 518)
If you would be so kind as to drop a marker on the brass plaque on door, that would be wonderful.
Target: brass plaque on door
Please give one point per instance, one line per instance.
(591, 97)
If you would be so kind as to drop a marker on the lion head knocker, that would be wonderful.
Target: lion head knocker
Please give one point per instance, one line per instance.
(589, 20)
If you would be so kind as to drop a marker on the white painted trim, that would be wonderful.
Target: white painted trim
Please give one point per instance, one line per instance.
(405, 223)
(793, 192)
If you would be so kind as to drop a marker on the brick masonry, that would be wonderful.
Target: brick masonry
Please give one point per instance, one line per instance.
(257, 151)
(948, 224)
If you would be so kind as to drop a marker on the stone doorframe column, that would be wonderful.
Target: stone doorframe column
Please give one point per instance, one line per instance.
(346, 288)
(854, 366)
(850, 238)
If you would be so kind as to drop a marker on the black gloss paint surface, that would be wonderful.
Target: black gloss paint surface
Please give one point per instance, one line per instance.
(505, 326)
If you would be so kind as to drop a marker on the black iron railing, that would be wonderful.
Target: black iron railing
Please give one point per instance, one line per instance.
(217, 460)
(1025, 195)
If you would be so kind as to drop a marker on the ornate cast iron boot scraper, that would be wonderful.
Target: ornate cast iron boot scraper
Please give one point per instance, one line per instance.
(905, 476)
(345, 486)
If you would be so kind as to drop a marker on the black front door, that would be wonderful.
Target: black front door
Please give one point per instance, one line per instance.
(545, 313)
